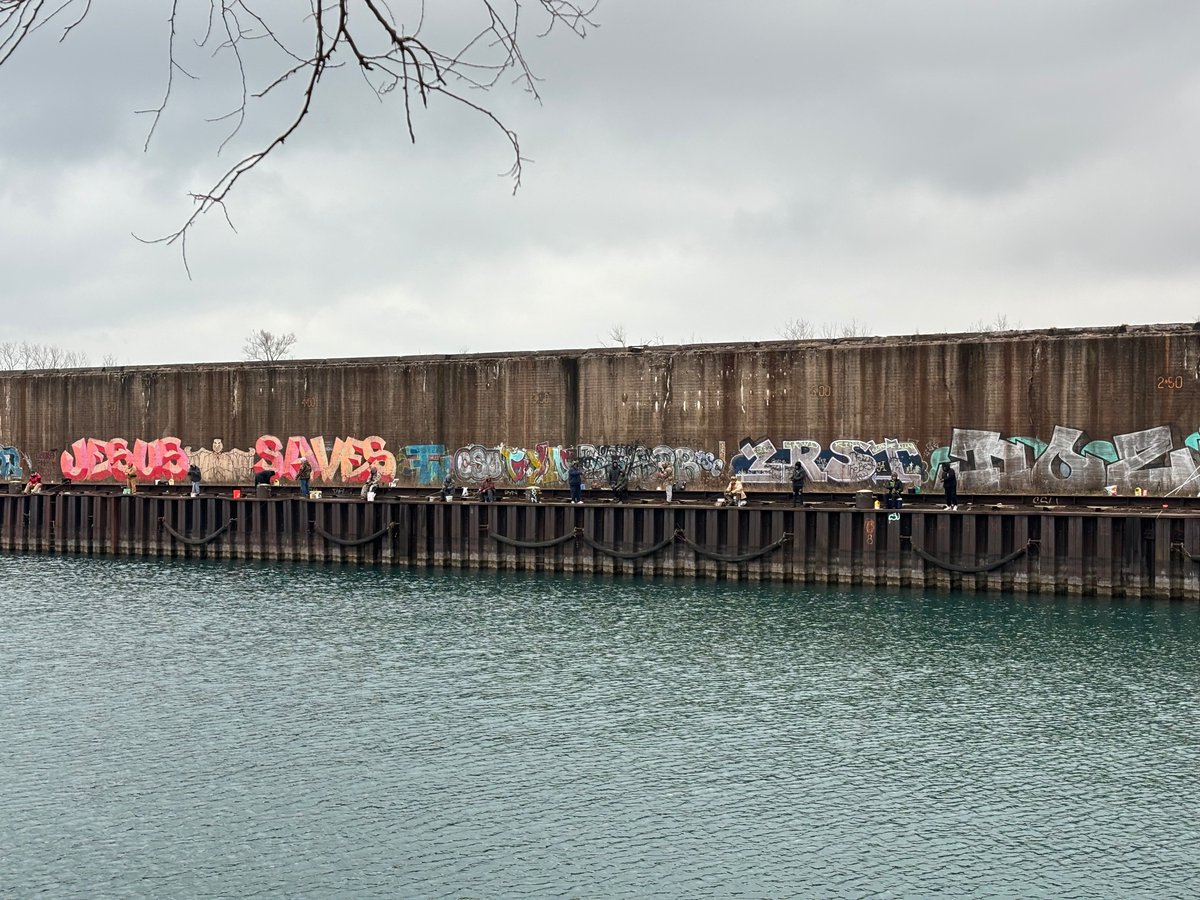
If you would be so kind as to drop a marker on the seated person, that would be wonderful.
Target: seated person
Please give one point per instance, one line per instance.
(34, 486)
(487, 490)
(374, 478)
(735, 492)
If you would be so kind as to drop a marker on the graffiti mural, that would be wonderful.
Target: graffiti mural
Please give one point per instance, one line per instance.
(10, 464)
(350, 459)
(91, 459)
(1159, 460)
(844, 461)
(541, 465)
(547, 464)
(476, 462)
(221, 466)
(1070, 462)
(642, 462)
(425, 463)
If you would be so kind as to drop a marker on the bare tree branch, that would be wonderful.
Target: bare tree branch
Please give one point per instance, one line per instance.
(796, 330)
(387, 56)
(1000, 323)
(619, 335)
(853, 328)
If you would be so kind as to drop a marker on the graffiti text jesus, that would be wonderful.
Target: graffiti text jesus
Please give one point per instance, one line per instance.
(91, 459)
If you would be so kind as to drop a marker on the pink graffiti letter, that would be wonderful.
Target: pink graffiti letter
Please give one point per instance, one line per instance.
(268, 449)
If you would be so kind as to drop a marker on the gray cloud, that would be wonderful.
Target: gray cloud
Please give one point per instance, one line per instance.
(700, 172)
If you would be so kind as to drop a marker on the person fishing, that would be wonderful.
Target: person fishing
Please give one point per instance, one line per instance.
(618, 481)
(735, 493)
(799, 477)
(950, 486)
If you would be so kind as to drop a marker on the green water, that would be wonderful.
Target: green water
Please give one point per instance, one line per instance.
(185, 729)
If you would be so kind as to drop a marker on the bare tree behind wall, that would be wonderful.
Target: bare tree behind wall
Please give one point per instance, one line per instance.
(25, 355)
(1000, 323)
(796, 330)
(297, 43)
(851, 329)
(620, 337)
(803, 330)
(266, 346)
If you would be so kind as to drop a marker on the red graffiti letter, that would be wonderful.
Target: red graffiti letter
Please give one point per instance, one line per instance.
(174, 459)
(268, 448)
(78, 467)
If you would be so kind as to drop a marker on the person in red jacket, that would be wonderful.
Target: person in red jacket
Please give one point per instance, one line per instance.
(34, 485)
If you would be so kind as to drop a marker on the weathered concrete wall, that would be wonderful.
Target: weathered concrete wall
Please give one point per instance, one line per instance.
(1026, 412)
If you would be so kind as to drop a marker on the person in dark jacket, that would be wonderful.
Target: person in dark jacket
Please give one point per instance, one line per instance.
(895, 492)
(266, 476)
(575, 482)
(304, 477)
(799, 476)
(618, 480)
(950, 486)
(194, 476)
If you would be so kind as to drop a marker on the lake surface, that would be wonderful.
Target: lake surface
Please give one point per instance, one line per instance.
(179, 729)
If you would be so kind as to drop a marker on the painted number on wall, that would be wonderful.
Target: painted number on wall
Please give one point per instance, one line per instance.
(1170, 382)
(821, 390)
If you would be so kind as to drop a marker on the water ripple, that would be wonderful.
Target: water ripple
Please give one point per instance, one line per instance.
(178, 729)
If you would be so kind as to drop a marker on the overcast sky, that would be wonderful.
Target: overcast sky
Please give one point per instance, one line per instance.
(701, 171)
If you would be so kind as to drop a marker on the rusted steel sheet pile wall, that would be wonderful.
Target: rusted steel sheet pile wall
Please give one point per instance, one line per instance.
(1061, 412)
(1086, 553)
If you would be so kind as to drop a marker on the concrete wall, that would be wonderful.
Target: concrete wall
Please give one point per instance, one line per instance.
(1020, 412)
